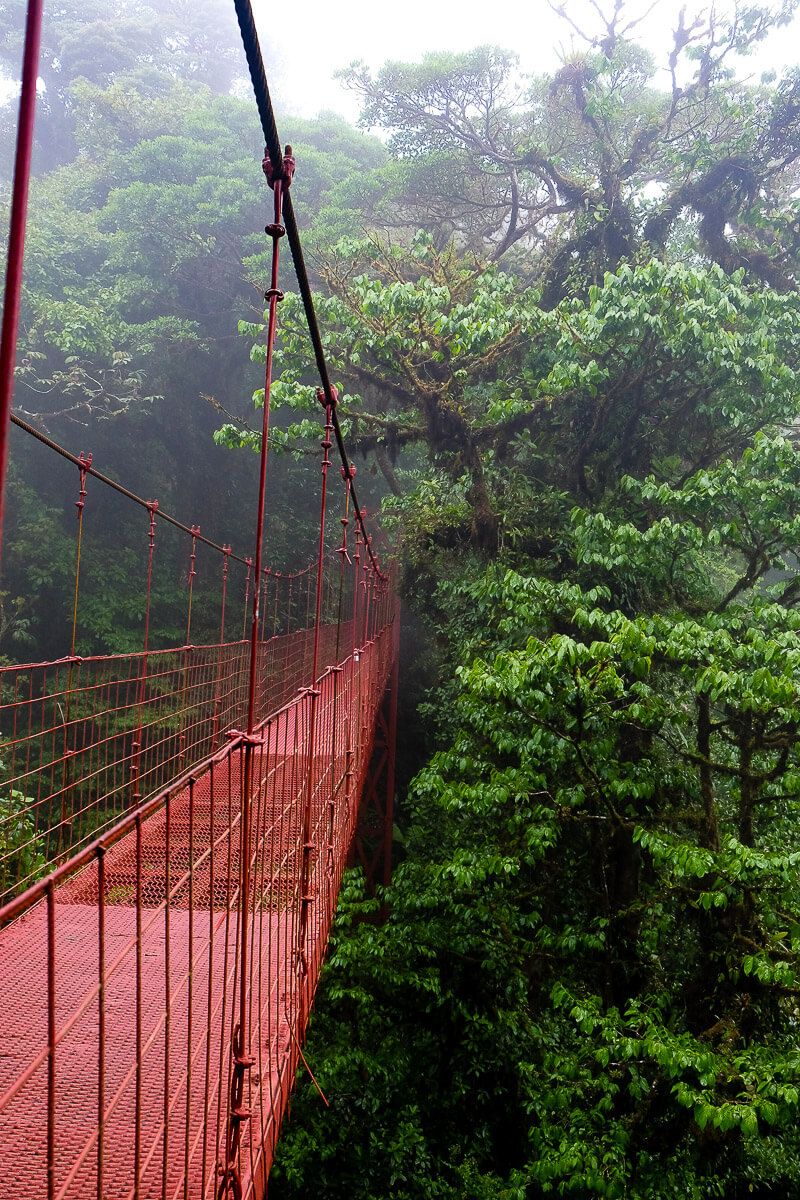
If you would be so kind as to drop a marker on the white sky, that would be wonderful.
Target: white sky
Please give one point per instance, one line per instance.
(307, 43)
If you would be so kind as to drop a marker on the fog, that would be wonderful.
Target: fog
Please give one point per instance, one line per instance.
(307, 53)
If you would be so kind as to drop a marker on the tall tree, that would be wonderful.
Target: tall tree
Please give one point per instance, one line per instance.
(587, 983)
(595, 164)
(99, 42)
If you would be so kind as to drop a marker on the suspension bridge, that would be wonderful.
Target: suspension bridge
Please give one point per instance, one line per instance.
(175, 821)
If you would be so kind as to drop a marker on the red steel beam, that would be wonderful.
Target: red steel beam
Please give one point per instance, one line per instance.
(16, 232)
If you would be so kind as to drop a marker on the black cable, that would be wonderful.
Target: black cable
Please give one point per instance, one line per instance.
(255, 63)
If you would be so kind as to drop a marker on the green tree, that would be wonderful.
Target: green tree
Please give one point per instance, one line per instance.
(102, 42)
(513, 404)
(588, 980)
(573, 173)
(587, 983)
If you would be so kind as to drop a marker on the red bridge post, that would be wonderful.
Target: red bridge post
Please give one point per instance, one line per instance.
(16, 231)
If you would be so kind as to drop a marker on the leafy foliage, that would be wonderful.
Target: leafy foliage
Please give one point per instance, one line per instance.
(587, 983)
(588, 979)
(20, 845)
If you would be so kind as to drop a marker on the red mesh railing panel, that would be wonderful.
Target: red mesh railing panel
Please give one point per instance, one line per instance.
(120, 986)
(81, 741)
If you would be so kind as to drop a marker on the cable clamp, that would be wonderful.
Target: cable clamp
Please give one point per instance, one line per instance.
(330, 397)
(275, 230)
(286, 171)
(276, 292)
(249, 739)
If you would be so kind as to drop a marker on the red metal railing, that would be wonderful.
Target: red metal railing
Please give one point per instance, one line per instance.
(82, 740)
(174, 823)
(121, 991)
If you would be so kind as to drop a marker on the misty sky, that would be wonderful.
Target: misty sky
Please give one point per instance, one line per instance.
(312, 40)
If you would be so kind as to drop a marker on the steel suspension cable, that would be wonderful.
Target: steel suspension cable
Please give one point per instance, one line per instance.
(255, 62)
(193, 531)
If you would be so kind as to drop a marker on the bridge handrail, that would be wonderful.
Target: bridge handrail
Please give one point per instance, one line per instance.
(37, 891)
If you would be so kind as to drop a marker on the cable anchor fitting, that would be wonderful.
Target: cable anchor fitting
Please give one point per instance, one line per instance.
(83, 469)
(247, 739)
(286, 172)
(330, 397)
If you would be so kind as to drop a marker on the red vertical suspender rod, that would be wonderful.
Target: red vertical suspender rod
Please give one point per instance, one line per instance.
(230, 1183)
(328, 404)
(16, 232)
(273, 295)
(306, 895)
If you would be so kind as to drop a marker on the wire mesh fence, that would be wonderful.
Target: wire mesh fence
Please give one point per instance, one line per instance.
(121, 993)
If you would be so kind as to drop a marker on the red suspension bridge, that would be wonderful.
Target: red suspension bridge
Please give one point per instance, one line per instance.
(175, 822)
